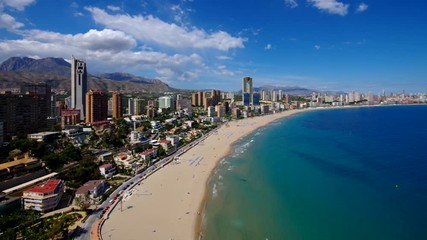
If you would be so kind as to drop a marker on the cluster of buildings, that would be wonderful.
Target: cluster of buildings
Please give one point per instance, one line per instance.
(35, 107)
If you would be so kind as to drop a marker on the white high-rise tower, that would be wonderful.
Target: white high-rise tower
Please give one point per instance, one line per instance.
(78, 86)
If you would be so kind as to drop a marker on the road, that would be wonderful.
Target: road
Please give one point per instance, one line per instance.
(84, 232)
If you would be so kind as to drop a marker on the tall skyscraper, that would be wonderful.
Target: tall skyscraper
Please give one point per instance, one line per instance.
(117, 105)
(247, 91)
(78, 85)
(97, 106)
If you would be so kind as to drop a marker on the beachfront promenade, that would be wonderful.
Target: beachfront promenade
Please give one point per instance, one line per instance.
(91, 229)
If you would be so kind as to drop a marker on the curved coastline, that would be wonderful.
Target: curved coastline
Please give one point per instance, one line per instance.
(170, 204)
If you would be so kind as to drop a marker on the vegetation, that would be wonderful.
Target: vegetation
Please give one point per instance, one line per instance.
(38, 149)
(28, 224)
(85, 171)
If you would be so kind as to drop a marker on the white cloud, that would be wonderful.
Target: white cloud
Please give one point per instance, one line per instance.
(317, 47)
(223, 71)
(151, 29)
(291, 3)
(6, 20)
(9, 22)
(17, 4)
(113, 8)
(93, 40)
(223, 58)
(330, 6)
(362, 7)
(268, 47)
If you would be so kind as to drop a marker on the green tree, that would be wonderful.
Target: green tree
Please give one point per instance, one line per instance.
(161, 151)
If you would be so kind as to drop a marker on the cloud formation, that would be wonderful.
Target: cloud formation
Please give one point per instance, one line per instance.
(105, 50)
(153, 30)
(362, 7)
(291, 3)
(6, 20)
(268, 47)
(113, 8)
(16, 4)
(330, 6)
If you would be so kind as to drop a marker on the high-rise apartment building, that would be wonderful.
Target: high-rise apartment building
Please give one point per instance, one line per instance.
(274, 96)
(139, 106)
(26, 112)
(167, 102)
(78, 85)
(195, 99)
(96, 106)
(247, 91)
(201, 97)
(117, 105)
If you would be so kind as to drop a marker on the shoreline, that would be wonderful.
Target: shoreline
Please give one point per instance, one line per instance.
(156, 198)
(199, 222)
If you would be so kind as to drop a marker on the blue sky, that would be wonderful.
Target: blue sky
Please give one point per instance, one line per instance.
(194, 44)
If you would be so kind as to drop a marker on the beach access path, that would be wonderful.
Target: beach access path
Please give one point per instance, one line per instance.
(169, 203)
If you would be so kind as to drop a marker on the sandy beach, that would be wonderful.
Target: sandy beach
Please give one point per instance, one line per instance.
(169, 203)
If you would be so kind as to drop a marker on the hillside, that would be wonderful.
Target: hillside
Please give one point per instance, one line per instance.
(56, 72)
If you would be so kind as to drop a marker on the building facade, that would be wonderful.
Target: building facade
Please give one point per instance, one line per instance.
(78, 85)
(26, 112)
(91, 191)
(97, 106)
(139, 106)
(107, 170)
(70, 117)
(117, 105)
(167, 102)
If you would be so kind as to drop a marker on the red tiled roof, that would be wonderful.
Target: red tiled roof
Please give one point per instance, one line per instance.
(107, 165)
(50, 186)
(148, 151)
(164, 141)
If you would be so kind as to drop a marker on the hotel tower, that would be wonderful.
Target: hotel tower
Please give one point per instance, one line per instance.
(78, 86)
(247, 91)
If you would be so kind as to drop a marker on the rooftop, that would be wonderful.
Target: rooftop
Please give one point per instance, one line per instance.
(90, 185)
(17, 162)
(148, 151)
(50, 186)
(107, 165)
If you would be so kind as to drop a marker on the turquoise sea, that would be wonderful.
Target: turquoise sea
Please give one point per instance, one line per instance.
(341, 174)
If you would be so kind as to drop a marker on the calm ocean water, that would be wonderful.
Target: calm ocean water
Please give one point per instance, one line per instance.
(339, 174)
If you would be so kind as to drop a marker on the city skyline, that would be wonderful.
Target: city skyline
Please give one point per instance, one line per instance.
(318, 44)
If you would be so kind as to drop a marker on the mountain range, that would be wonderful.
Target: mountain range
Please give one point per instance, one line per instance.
(56, 72)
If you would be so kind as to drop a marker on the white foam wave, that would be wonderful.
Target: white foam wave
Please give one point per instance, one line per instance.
(214, 191)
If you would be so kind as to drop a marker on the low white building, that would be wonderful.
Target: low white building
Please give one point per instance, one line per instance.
(174, 139)
(44, 136)
(45, 197)
(107, 170)
(91, 191)
(149, 154)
